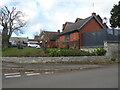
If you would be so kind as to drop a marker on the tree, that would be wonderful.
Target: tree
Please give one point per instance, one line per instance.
(115, 16)
(11, 21)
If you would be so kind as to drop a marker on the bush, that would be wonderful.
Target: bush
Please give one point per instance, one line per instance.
(99, 52)
(73, 52)
(20, 45)
(67, 52)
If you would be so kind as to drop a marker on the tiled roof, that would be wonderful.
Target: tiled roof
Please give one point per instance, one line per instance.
(69, 22)
(78, 25)
(25, 39)
(51, 35)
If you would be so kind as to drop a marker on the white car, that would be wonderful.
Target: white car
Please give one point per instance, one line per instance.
(34, 45)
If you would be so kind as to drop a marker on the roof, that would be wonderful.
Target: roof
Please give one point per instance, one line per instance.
(79, 24)
(50, 35)
(36, 38)
(16, 39)
(69, 23)
(64, 25)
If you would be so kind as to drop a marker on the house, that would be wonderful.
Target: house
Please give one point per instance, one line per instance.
(37, 38)
(71, 35)
(15, 40)
(50, 38)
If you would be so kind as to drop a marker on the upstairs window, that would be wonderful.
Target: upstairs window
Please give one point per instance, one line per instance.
(67, 37)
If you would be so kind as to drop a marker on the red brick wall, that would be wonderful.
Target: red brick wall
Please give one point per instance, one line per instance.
(74, 36)
(61, 40)
(90, 26)
(52, 44)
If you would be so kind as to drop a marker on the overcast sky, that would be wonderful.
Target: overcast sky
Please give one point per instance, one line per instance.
(51, 14)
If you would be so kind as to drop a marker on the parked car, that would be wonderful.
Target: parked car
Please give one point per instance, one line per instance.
(13, 44)
(38, 47)
(34, 45)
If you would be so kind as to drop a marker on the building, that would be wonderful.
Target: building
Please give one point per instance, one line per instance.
(15, 40)
(71, 35)
(50, 38)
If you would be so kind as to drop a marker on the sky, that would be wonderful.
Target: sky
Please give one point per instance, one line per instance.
(50, 15)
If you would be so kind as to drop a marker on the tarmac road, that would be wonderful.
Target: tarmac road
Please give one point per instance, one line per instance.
(106, 77)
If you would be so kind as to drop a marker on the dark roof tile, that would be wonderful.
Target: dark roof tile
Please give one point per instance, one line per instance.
(77, 25)
(51, 35)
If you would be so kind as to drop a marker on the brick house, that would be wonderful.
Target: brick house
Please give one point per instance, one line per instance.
(71, 34)
(50, 38)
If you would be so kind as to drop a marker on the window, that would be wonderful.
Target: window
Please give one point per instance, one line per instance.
(67, 37)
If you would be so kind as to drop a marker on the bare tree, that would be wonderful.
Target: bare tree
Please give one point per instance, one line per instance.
(11, 21)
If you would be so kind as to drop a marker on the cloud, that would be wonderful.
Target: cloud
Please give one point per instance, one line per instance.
(51, 14)
(46, 4)
(35, 28)
(3, 2)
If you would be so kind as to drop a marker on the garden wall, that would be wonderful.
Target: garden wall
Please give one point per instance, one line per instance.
(82, 59)
(112, 48)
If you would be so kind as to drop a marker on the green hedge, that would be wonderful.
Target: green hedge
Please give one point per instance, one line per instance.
(73, 52)
(99, 52)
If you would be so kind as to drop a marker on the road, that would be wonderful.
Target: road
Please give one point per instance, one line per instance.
(106, 77)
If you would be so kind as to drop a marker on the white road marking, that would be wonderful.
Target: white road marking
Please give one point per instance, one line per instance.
(48, 72)
(13, 76)
(30, 74)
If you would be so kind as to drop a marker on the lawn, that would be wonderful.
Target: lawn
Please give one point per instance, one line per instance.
(16, 51)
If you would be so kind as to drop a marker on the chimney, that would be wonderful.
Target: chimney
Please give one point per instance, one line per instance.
(58, 31)
(93, 14)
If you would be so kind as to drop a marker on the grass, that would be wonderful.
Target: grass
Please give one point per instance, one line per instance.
(16, 51)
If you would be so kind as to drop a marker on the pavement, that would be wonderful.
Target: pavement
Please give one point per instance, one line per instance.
(106, 77)
(47, 66)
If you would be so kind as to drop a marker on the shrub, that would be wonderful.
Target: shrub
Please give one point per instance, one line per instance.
(19, 45)
(99, 52)
(68, 52)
